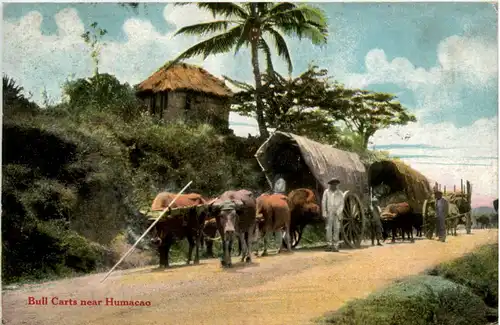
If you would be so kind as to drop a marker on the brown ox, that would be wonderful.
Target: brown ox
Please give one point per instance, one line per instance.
(273, 214)
(209, 231)
(188, 225)
(398, 216)
(304, 210)
(235, 214)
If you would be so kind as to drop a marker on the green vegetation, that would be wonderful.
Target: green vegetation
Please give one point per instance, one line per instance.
(464, 291)
(478, 271)
(288, 102)
(74, 179)
(76, 174)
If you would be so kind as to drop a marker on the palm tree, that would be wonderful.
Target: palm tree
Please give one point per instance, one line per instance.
(246, 24)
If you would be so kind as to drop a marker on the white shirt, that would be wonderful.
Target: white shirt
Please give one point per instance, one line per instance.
(332, 203)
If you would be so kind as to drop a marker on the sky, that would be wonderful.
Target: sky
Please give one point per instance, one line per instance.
(439, 59)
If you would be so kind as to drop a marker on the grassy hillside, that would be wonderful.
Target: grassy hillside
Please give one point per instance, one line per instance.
(464, 291)
(74, 181)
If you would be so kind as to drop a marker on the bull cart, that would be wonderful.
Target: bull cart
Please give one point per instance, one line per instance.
(304, 163)
(459, 209)
(392, 181)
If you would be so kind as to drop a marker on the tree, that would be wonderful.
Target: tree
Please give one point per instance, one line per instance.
(312, 104)
(246, 24)
(93, 38)
(291, 105)
(366, 112)
(14, 100)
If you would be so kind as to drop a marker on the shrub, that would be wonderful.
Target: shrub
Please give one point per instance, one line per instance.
(477, 270)
(415, 301)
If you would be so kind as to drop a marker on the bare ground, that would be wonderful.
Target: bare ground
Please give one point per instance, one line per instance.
(282, 289)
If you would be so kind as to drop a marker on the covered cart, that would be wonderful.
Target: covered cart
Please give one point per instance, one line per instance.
(304, 163)
(459, 209)
(393, 181)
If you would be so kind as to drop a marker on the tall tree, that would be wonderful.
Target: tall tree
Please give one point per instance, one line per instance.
(366, 112)
(291, 104)
(311, 105)
(93, 38)
(245, 24)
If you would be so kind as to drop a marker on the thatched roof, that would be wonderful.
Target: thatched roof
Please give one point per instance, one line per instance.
(324, 161)
(183, 76)
(401, 177)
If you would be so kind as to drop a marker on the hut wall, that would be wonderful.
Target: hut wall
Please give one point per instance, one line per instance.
(192, 107)
(197, 108)
(207, 109)
(174, 108)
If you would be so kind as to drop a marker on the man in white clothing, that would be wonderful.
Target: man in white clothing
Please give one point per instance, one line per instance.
(332, 207)
(442, 211)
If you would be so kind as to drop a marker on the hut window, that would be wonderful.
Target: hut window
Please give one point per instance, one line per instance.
(188, 101)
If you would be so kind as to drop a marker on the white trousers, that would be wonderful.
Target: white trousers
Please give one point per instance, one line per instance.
(333, 226)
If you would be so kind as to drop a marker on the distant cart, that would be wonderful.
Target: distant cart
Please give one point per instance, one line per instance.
(460, 208)
(400, 178)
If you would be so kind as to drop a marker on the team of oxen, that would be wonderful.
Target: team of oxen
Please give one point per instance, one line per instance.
(240, 215)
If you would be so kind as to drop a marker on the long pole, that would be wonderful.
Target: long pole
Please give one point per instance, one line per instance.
(147, 230)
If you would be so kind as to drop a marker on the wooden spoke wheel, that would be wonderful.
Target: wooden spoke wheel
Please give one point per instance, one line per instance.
(353, 222)
(429, 216)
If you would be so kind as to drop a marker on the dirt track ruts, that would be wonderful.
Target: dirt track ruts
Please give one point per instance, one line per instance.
(280, 289)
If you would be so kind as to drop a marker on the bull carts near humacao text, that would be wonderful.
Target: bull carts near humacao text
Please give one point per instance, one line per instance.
(460, 210)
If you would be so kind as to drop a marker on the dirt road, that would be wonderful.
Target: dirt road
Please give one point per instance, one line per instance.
(285, 289)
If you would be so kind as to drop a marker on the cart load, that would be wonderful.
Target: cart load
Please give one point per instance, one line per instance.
(395, 182)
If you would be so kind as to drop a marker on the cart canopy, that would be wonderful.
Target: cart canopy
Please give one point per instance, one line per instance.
(400, 177)
(307, 163)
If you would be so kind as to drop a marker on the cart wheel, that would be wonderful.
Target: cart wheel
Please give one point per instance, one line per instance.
(353, 223)
(429, 217)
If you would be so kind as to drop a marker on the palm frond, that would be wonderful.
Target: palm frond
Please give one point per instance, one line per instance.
(218, 44)
(262, 8)
(204, 28)
(282, 47)
(304, 30)
(313, 15)
(225, 9)
(267, 51)
(239, 84)
(245, 32)
(280, 7)
(287, 16)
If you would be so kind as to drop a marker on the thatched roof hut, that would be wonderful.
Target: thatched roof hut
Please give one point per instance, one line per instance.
(184, 77)
(401, 178)
(187, 92)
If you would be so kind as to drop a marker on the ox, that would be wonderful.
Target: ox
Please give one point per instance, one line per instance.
(304, 210)
(235, 214)
(273, 214)
(418, 222)
(209, 232)
(178, 227)
(398, 216)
